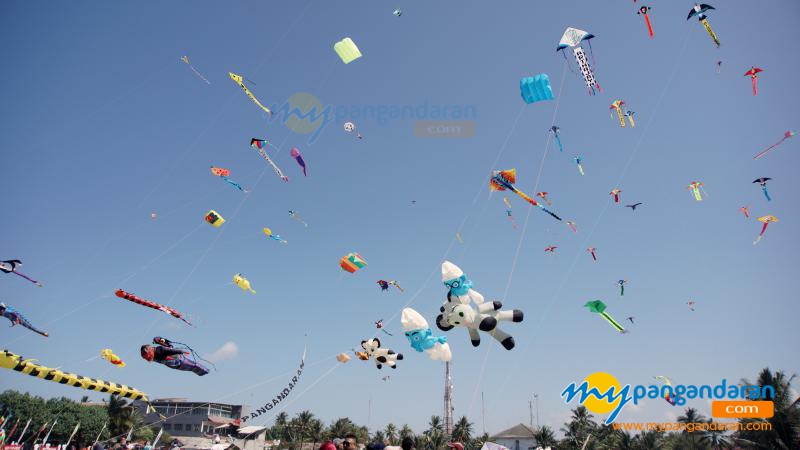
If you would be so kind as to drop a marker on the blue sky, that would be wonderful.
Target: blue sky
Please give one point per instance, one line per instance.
(103, 125)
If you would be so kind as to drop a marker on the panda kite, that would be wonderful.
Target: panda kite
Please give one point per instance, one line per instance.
(372, 347)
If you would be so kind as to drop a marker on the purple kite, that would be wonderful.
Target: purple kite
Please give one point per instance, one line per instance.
(10, 266)
(296, 155)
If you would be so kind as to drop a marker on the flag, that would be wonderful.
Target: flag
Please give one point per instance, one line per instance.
(75, 430)
(100, 434)
(44, 442)
(24, 430)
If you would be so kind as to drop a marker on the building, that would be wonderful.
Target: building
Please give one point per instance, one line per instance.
(193, 419)
(518, 437)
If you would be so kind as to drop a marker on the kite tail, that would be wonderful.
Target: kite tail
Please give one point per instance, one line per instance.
(766, 194)
(560, 147)
(549, 212)
(613, 322)
(622, 290)
(649, 27)
(755, 91)
(710, 31)
(199, 75)
(28, 278)
(580, 169)
(390, 334)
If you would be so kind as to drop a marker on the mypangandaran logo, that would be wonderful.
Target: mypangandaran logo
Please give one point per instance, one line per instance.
(601, 393)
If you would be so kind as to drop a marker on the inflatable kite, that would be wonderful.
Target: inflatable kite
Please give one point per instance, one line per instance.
(109, 356)
(17, 363)
(347, 50)
(621, 284)
(223, 174)
(766, 220)
(753, 74)
(185, 59)
(459, 285)
(615, 192)
(10, 266)
(238, 80)
(763, 183)
(536, 88)
(173, 355)
(352, 262)
(599, 307)
(643, 10)
(295, 216)
(617, 106)
(572, 225)
(130, 297)
(243, 283)
(746, 211)
(555, 130)
(504, 180)
(578, 161)
(508, 212)
(573, 37)
(372, 348)
(385, 285)
(260, 146)
(299, 158)
(593, 251)
(696, 187)
(275, 237)
(699, 12)
(786, 136)
(421, 338)
(343, 357)
(664, 380)
(214, 218)
(484, 317)
(17, 318)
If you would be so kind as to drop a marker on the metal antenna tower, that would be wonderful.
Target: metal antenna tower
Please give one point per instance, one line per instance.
(448, 401)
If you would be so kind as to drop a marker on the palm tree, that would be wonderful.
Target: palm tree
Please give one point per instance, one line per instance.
(406, 431)
(122, 416)
(648, 440)
(391, 433)
(316, 430)
(580, 427)
(341, 427)
(433, 437)
(379, 436)
(622, 440)
(785, 422)
(545, 437)
(279, 430)
(715, 438)
(435, 424)
(462, 430)
(691, 415)
(478, 442)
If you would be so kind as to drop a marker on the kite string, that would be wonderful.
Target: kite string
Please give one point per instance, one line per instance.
(602, 213)
(548, 141)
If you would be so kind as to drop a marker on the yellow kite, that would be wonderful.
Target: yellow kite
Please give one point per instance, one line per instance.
(238, 80)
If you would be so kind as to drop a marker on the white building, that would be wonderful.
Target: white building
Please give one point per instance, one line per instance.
(518, 437)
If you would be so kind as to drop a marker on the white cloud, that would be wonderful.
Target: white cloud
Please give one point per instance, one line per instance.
(228, 351)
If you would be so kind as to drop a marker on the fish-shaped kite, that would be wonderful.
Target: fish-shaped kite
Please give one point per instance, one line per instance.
(223, 174)
(17, 318)
(109, 356)
(275, 237)
(10, 266)
(299, 158)
(260, 146)
(130, 297)
(240, 81)
(598, 307)
(504, 180)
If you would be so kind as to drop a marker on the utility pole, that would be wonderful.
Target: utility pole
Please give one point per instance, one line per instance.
(483, 413)
(448, 401)
(530, 408)
(536, 399)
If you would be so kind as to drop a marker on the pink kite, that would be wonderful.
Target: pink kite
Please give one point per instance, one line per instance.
(753, 74)
(745, 210)
(572, 225)
(543, 195)
(765, 220)
(615, 192)
(786, 136)
(551, 249)
(592, 250)
(297, 156)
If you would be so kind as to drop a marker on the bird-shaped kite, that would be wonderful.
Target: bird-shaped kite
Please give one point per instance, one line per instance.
(746, 211)
(578, 161)
(598, 307)
(621, 284)
(643, 11)
(17, 318)
(572, 225)
(766, 221)
(554, 129)
(385, 285)
(763, 183)
(109, 356)
(593, 251)
(243, 283)
(633, 206)
(615, 192)
(505, 179)
(617, 106)
(10, 266)
(719, 66)
(753, 74)
(630, 318)
(786, 136)
(696, 186)
(379, 325)
(690, 304)
(295, 152)
(699, 12)
(543, 195)
(550, 248)
(276, 237)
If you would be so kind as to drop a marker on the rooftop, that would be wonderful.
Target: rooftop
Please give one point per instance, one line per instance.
(519, 431)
